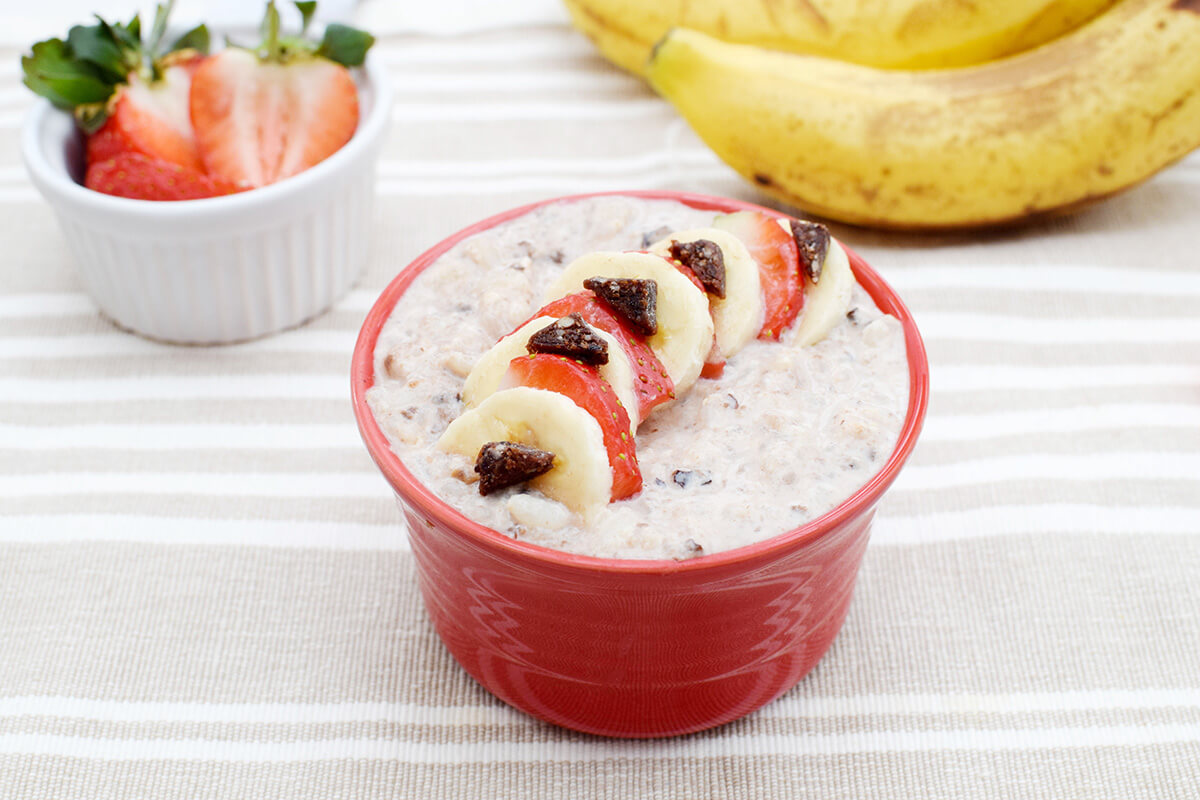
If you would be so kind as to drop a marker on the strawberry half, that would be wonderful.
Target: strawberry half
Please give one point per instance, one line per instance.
(151, 118)
(585, 388)
(264, 115)
(778, 265)
(651, 384)
(140, 177)
(128, 94)
(714, 366)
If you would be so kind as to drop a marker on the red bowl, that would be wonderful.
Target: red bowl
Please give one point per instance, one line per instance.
(634, 648)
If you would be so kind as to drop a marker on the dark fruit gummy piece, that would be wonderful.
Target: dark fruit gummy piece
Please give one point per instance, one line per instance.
(706, 261)
(634, 299)
(570, 336)
(503, 464)
(812, 240)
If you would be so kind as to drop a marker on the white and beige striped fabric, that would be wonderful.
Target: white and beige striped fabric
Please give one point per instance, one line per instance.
(206, 592)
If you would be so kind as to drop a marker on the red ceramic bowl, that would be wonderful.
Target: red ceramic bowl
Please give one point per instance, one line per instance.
(624, 647)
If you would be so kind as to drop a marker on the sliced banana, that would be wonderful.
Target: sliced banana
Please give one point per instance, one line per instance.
(738, 316)
(826, 302)
(488, 373)
(685, 326)
(581, 478)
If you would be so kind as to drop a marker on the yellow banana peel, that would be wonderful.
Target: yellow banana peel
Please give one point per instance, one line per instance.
(908, 34)
(1067, 123)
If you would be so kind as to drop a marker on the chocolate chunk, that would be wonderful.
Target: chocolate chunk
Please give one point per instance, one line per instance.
(693, 547)
(650, 237)
(635, 299)
(503, 464)
(812, 239)
(687, 478)
(570, 337)
(705, 260)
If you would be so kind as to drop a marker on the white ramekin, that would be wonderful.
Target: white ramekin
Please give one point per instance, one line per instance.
(222, 269)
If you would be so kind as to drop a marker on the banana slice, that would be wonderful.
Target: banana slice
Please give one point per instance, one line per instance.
(685, 326)
(488, 373)
(738, 316)
(581, 478)
(825, 303)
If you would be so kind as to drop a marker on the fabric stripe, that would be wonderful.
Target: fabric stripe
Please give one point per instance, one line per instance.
(948, 775)
(967, 708)
(897, 526)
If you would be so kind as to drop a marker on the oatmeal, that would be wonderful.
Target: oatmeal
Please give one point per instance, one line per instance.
(787, 431)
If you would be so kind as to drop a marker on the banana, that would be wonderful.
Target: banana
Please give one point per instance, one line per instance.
(581, 478)
(911, 34)
(738, 316)
(827, 301)
(1071, 122)
(685, 327)
(488, 373)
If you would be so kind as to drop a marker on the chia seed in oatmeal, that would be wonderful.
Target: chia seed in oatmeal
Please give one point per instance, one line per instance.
(784, 435)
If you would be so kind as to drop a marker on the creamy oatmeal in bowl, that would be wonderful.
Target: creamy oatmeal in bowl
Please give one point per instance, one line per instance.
(638, 439)
(790, 428)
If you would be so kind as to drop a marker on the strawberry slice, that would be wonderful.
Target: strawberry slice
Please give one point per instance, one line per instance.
(151, 118)
(266, 114)
(774, 249)
(652, 386)
(257, 123)
(140, 177)
(714, 366)
(126, 86)
(586, 389)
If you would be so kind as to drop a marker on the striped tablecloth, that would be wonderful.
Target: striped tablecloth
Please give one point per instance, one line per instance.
(206, 592)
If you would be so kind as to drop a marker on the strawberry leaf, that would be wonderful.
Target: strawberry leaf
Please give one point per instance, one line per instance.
(345, 45)
(128, 37)
(91, 116)
(196, 39)
(161, 14)
(306, 9)
(270, 33)
(53, 73)
(93, 43)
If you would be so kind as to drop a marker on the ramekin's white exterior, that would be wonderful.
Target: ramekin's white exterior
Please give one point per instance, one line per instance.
(222, 269)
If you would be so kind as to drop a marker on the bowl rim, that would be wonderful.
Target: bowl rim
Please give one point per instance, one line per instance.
(50, 179)
(404, 483)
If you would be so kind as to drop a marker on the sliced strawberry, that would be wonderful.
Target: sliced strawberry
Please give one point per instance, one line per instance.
(778, 264)
(126, 86)
(652, 386)
(150, 118)
(258, 122)
(714, 366)
(586, 389)
(140, 177)
(713, 369)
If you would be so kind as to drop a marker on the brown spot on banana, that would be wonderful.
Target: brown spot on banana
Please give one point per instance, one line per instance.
(1186, 5)
(1171, 109)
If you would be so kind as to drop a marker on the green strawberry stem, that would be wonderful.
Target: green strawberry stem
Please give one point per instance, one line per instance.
(82, 74)
(341, 43)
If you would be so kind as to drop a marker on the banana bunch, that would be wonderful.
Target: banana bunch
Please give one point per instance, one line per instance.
(1079, 118)
(893, 34)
